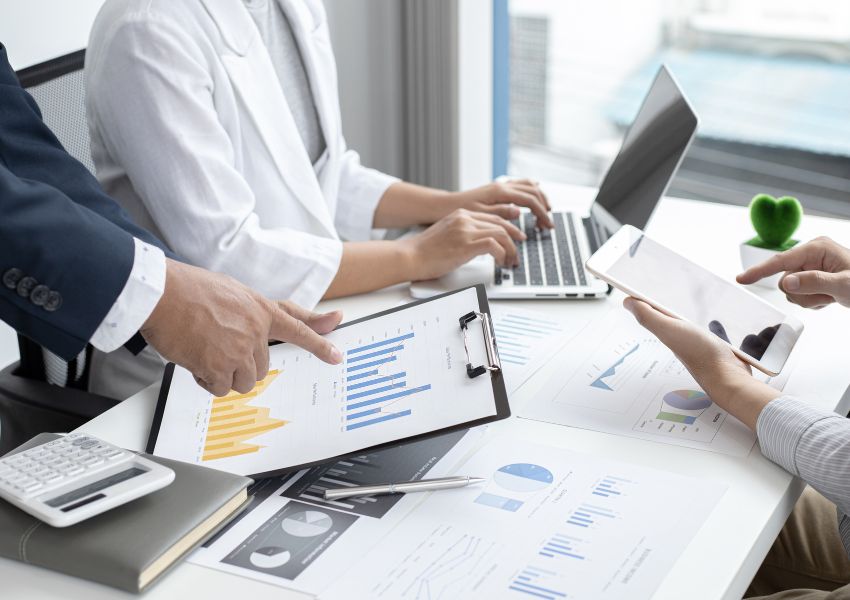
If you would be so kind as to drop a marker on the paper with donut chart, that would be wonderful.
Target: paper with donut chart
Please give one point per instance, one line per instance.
(628, 383)
(404, 374)
(549, 524)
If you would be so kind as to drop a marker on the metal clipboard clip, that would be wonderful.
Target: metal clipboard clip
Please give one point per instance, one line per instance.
(494, 363)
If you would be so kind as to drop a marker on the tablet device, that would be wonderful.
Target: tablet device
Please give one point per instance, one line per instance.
(408, 373)
(756, 331)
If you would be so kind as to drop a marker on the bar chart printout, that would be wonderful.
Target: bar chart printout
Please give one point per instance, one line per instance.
(377, 386)
(537, 583)
(528, 339)
(234, 421)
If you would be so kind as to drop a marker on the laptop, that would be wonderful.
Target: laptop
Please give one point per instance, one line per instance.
(551, 262)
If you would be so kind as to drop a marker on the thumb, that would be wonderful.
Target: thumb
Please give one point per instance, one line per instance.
(812, 282)
(666, 328)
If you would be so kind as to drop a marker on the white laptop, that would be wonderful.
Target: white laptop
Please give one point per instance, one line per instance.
(552, 261)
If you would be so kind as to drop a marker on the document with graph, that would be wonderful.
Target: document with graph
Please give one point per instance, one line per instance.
(618, 378)
(404, 375)
(549, 523)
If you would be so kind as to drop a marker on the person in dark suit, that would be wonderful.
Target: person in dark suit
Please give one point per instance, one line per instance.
(75, 269)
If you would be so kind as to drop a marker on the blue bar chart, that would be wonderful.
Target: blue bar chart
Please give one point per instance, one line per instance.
(561, 546)
(517, 334)
(610, 486)
(375, 383)
(536, 582)
(589, 515)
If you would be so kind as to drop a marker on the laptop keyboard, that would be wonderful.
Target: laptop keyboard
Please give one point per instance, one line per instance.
(548, 256)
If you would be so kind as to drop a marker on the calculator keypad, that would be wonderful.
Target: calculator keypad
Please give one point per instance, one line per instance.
(57, 463)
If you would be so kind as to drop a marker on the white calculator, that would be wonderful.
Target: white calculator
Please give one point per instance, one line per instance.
(75, 477)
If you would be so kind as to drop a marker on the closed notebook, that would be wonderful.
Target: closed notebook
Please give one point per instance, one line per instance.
(130, 546)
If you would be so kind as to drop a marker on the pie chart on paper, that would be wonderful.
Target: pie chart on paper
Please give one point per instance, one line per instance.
(523, 477)
(687, 400)
(270, 557)
(307, 523)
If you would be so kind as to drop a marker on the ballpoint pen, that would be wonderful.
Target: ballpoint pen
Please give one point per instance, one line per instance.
(423, 485)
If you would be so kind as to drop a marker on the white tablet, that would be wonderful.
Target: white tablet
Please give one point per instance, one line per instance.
(756, 331)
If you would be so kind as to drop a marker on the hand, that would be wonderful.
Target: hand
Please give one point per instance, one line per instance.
(458, 238)
(817, 273)
(503, 200)
(219, 329)
(722, 375)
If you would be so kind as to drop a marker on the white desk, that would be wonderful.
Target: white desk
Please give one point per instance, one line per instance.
(725, 554)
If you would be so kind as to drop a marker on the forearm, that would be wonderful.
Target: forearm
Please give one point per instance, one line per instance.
(405, 205)
(369, 266)
(810, 443)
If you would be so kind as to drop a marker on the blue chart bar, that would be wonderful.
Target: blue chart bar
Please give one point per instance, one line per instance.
(380, 352)
(374, 381)
(361, 375)
(608, 486)
(374, 363)
(374, 391)
(364, 413)
(589, 514)
(520, 329)
(513, 358)
(560, 546)
(513, 317)
(389, 397)
(403, 413)
(528, 582)
(400, 338)
(513, 344)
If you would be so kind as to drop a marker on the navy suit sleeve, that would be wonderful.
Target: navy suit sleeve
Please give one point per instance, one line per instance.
(58, 230)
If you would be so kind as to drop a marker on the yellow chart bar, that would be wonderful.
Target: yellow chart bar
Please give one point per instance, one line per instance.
(234, 421)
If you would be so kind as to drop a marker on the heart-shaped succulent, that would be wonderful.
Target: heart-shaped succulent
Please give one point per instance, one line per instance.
(774, 220)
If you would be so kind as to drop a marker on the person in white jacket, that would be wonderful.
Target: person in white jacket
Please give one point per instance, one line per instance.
(216, 123)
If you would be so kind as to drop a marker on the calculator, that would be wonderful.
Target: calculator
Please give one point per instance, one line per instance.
(75, 477)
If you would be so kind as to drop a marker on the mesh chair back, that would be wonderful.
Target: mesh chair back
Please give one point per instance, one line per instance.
(58, 88)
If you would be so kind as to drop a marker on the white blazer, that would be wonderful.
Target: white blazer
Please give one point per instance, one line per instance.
(192, 134)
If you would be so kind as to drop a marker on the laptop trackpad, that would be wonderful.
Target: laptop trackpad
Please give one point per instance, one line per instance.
(478, 270)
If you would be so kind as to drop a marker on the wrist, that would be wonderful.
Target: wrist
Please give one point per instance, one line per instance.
(408, 258)
(441, 203)
(744, 397)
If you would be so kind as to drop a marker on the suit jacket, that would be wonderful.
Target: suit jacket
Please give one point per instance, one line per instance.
(66, 248)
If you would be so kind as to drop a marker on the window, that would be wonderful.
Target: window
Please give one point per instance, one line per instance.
(770, 80)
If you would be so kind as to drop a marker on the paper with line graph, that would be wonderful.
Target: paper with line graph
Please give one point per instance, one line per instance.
(620, 379)
(404, 374)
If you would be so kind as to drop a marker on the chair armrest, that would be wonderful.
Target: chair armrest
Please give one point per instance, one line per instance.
(67, 401)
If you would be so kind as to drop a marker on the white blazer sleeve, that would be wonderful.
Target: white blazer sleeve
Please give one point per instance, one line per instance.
(360, 190)
(151, 106)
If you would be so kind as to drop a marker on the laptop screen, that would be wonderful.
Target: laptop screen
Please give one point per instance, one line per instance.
(651, 152)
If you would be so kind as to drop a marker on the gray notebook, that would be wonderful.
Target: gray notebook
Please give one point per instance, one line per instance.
(131, 546)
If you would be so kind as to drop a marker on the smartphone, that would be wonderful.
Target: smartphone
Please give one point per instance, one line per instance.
(755, 330)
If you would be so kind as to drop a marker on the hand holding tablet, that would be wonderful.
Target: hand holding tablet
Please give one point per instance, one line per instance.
(755, 330)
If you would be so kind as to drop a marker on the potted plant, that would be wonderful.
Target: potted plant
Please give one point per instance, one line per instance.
(775, 221)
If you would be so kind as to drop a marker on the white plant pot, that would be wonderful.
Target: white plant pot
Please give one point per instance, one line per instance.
(753, 255)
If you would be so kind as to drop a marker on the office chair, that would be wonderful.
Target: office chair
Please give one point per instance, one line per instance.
(42, 392)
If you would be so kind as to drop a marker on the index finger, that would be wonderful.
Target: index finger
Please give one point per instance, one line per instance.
(790, 260)
(532, 202)
(286, 328)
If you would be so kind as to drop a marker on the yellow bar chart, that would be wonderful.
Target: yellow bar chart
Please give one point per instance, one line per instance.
(234, 421)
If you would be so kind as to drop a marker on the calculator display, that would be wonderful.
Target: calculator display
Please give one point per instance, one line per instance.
(96, 486)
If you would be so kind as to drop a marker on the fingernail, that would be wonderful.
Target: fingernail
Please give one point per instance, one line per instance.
(629, 305)
(791, 283)
(336, 355)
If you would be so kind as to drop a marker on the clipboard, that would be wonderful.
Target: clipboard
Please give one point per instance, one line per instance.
(411, 372)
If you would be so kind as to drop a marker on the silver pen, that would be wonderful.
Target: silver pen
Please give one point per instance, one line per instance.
(423, 485)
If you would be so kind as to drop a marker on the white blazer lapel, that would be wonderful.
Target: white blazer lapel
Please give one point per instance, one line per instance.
(253, 77)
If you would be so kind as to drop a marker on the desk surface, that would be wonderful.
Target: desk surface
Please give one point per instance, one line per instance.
(726, 552)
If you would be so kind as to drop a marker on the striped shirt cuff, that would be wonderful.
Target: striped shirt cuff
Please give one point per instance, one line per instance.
(781, 426)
